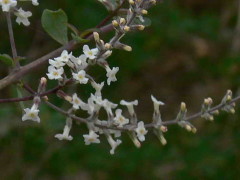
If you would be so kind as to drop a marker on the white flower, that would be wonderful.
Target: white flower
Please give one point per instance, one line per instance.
(116, 133)
(111, 74)
(129, 105)
(92, 137)
(22, 17)
(113, 144)
(65, 135)
(90, 53)
(56, 63)
(120, 120)
(7, 4)
(64, 56)
(55, 73)
(97, 87)
(79, 62)
(141, 131)
(76, 102)
(80, 76)
(156, 103)
(82, 60)
(31, 114)
(35, 2)
(93, 105)
(108, 106)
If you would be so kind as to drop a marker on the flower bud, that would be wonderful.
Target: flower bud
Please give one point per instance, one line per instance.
(63, 95)
(122, 21)
(144, 11)
(42, 85)
(107, 46)
(45, 98)
(127, 48)
(163, 140)
(126, 28)
(141, 27)
(131, 2)
(183, 106)
(163, 128)
(153, 2)
(96, 36)
(194, 130)
(188, 128)
(115, 23)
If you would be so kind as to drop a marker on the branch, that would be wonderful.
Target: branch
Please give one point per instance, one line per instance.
(149, 126)
(12, 41)
(109, 17)
(29, 89)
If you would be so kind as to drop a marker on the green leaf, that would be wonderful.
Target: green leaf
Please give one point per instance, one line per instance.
(78, 39)
(6, 59)
(55, 24)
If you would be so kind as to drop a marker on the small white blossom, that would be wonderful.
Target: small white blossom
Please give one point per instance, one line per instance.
(108, 106)
(80, 76)
(35, 2)
(80, 62)
(129, 105)
(97, 87)
(56, 63)
(55, 73)
(156, 103)
(92, 137)
(93, 105)
(31, 114)
(7, 4)
(120, 120)
(76, 101)
(114, 144)
(116, 133)
(90, 53)
(141, 131)
(22, 17)
(111, 74)
(64, 57)
(65, 135)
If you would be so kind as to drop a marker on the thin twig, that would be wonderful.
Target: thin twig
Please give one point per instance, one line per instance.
(110, 16)
(149, 126)
(12, 41)
(29, 89)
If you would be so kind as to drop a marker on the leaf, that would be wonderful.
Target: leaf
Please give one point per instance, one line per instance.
(55, 24)
(6, 59)
(79, 39)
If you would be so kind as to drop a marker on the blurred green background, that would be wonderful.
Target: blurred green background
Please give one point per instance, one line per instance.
(191, 51)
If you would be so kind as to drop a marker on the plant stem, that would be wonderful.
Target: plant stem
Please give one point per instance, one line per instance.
(12, 41)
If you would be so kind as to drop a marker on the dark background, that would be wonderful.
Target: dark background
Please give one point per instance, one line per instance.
(189, 52)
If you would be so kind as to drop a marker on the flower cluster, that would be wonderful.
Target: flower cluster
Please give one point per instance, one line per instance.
(116, 121)
(22, 16)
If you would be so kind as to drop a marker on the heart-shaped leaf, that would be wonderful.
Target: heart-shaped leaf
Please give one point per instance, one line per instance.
(55, 24)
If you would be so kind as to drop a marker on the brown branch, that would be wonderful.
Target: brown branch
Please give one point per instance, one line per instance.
(30, 90)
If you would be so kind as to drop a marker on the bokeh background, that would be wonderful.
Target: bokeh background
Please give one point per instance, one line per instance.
(191, 51)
